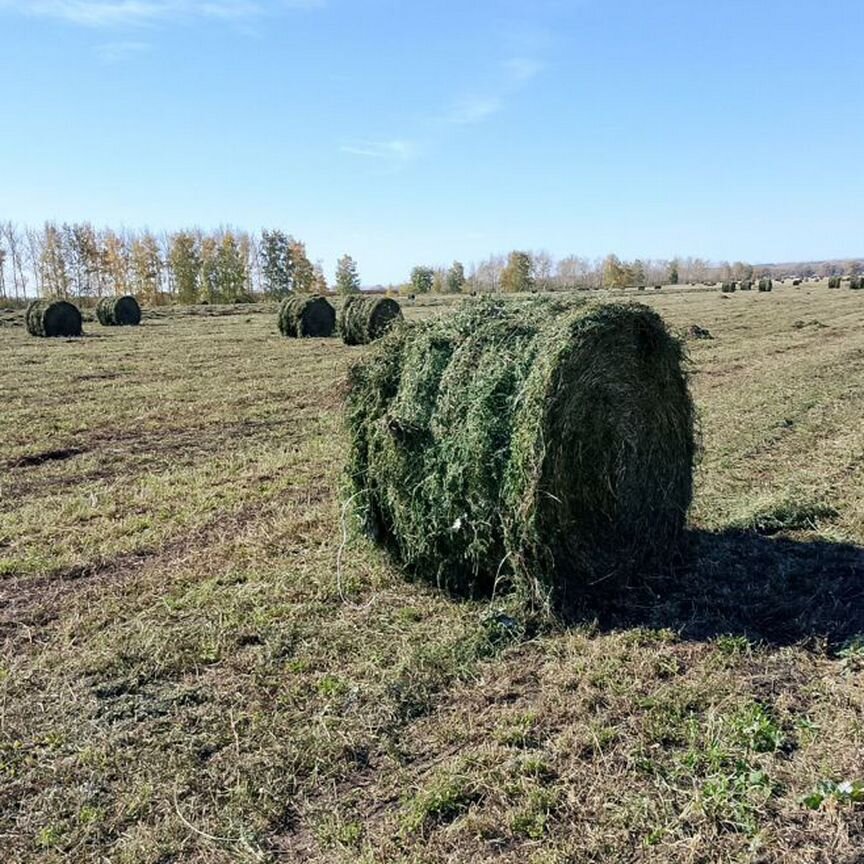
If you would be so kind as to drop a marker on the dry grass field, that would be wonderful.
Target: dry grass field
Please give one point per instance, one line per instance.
(198, 665)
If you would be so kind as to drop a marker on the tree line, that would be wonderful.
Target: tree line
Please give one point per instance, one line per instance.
(539, 270)
(231, 266)
(187, 266)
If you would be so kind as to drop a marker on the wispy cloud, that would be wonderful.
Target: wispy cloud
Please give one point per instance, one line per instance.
(126, 13)
(517, 72)
(116, 52)
(523, 68)
(474, 109)
(397, 149)
(507, 78)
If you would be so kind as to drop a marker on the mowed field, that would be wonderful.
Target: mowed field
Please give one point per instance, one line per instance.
(200, 664)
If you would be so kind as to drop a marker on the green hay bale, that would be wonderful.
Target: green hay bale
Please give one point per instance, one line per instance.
(834, 281)
(728, 287)
(306, 316)
(52, 318)
(765, 285)
(365, 319)
(118, 312)
(746, 285)
(521, 445)
(855, 283)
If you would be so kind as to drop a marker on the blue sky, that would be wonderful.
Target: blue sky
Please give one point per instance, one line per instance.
(420, 132)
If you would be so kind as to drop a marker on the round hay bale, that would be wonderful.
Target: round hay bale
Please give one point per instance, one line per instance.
(365, 319)
(728, 287)
(855, 283)
(512, 444)
(746, 285)
(306, 316)
(765, 284)
(694, 331)
(53, 318)
(118, 312)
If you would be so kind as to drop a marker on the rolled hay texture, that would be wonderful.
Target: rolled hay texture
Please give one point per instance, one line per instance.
(53, 318)
(306, 316)
(521, 445)
(365, 319)
(765, 284)
(855, 283)
(746, 285)
(118, 312)
(728, 287)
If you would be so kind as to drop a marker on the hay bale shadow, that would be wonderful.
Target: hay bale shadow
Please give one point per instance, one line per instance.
(773, 590)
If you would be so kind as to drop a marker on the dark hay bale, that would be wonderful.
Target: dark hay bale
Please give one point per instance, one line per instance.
(834, 281)
(532, 445)
(728, 287)
(53, 318)
(765, 285)
(118, 312)
(365, 319)
(657, 287)
(796, 283)
(694, 331)
(855, 283)
(306, 316)
(746, 285)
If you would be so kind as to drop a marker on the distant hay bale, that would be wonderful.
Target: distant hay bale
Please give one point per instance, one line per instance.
(796, 283)
(118, 312)
(834, 281)
(522, 445)
(765, 285)
(746, 285)
(53, 318)
(694, 331)
(657, 287)
(306, 316)
(365, 319)
(728, 287)
(640, 288)
(855, 283)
